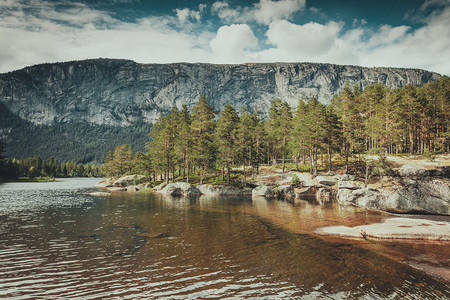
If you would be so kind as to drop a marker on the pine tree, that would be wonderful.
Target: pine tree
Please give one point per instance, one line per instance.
(202, 130)
(183, 144)
(279, 127)
(245, 141)
(226, 136)
(162, 147)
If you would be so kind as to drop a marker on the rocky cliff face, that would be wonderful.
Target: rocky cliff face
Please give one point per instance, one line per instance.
(123, 92)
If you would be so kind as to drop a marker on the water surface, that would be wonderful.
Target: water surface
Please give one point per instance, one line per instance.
(57, 242)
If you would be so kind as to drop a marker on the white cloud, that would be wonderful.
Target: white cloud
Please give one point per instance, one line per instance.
(37, 31)
(224, 12)
(263, 12)
(231, 42)
(267, 11)
(184, 14)
(301, 41)
(32, 34)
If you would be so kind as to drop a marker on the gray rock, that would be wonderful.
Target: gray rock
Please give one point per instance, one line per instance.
(262, 190)
(129, 180)
(324, 196)
(181, 189)
(348, 185)
(286, 191)
(413, 171)
(160, 186)
(222, 190)
(123, 92)
(429, 195)
(305, 192)
(326, 180)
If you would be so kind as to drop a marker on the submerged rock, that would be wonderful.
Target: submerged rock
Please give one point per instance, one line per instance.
(394, 228)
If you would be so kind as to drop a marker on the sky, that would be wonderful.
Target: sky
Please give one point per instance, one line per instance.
(383, 33)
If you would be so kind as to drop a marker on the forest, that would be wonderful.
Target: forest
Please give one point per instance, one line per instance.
(78, 141)
(376, 120)
(35, 169)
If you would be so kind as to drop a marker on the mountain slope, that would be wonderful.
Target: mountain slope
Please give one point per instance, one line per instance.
(124, 94)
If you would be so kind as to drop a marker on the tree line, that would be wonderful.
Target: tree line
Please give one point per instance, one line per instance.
(375, 120)
(33, 167)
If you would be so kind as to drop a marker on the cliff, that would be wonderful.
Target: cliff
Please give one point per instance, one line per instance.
(123, 92)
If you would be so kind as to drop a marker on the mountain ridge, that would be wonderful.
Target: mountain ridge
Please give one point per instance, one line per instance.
(83, 90)
(81, 109)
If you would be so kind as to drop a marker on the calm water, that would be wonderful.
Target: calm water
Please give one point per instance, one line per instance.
(57, 242)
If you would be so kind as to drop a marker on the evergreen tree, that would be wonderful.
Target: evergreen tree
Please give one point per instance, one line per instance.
(245, 141)
(226, 136)
(183, 144)
(279, 127)
(202, 131)
(162, 147)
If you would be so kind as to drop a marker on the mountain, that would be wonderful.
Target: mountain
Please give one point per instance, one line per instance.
(107, 95)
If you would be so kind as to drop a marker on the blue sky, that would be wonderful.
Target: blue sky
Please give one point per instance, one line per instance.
(412, 34)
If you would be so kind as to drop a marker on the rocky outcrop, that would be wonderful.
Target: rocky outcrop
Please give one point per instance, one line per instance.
(394, 228)
(263, 191)
(415, 189)
(223, 190)
(181, 189)
(286, 191)
(123, 92)
(124, 181)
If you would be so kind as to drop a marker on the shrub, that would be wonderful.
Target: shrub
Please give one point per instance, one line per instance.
(295, 180)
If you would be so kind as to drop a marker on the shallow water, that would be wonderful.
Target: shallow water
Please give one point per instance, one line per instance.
(57, 242)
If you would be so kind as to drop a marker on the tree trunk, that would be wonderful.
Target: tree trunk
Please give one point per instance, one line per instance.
(245, 179)
(223, 171)
(228, 172)
(329, 160)
(284, 152)
(187, 173)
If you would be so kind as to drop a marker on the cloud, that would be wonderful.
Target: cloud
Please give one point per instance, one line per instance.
(231, 42)
(184, 14)
(223, 10)
(37, 32)
(262, 12)
(267, 11)
(301, 41)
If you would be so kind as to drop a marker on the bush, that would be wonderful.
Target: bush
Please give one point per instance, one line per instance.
(295, 180)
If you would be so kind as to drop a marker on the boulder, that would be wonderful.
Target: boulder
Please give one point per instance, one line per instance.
(345, 177)
(286, 191)
(308, 192)
(324, 195)
(223, 190)
(413, 171)
(326, 180)
(262, 190)
(348, 185)
(129, 180)
(160, 186)
(427, 195)
(181, 189)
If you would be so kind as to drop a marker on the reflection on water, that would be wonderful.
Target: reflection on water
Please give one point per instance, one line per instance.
(64, 244)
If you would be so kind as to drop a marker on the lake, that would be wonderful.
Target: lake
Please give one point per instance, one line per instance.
(56, 242)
